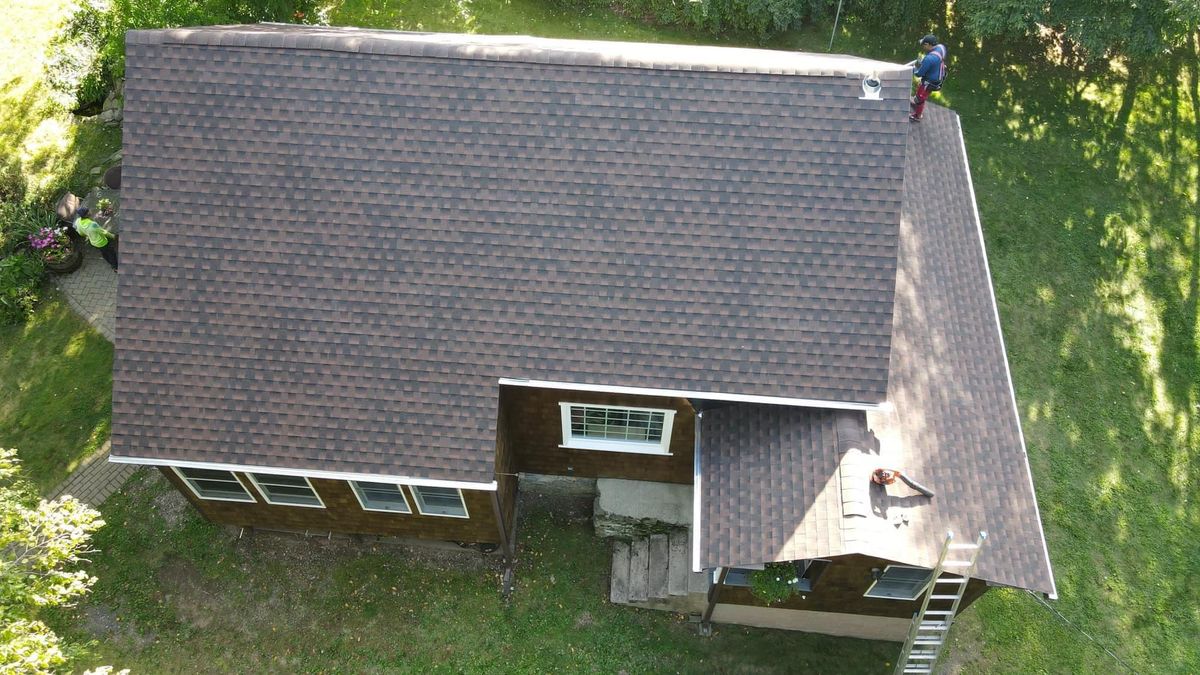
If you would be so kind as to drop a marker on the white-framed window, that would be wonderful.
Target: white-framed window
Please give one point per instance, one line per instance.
(616, 428)
(380, 496)
(286, 490)
(215, 485)
(439, 501)
(900, 582)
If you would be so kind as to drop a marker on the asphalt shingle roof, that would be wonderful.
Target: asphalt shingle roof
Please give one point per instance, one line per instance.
(787, 483)
(334, 242)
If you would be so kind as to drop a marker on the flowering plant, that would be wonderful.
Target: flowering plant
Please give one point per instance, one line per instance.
(51, 243)
(105, 205)
(774, 583)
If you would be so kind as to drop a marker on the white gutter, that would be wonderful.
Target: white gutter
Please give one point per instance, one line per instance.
(1004, 353)
(307, 473)
(706, 395)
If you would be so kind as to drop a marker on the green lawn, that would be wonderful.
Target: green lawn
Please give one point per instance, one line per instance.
(55, 390)
(175, 591)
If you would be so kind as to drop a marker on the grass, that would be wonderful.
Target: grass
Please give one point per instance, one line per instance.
(52, 150)
(174, 588)
(55, 390)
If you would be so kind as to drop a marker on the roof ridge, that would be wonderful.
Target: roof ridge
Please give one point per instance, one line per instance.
(523, 48)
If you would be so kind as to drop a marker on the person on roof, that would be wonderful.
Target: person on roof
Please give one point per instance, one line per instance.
(97, 236)
(931, 71)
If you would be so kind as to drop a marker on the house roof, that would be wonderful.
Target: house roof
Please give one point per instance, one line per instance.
(335, 242)
(789, 483)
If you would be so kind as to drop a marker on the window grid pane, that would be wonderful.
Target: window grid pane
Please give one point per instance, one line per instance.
(617, 424)
(286, 489)
(440, 501)
(215, 484)
(381, 496)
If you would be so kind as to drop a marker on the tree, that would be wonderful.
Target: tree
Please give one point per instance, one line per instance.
(42, 544)
(1099, 28)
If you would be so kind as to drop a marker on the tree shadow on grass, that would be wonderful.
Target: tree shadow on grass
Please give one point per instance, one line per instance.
(1087, 190)
(55, 391)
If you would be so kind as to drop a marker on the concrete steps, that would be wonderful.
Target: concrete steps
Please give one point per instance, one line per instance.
(655, 572)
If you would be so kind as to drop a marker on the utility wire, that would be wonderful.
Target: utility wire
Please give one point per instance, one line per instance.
(1080, 630)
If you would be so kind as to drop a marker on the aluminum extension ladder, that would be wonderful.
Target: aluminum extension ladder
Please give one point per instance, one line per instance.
(927, 636)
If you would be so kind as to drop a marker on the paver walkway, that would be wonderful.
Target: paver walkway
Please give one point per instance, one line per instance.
(92, 292)
(95, 479)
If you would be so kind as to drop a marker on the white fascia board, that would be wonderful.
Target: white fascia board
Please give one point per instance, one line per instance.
(307, 473)
(962, 143)
(697, 488)
(705, 395)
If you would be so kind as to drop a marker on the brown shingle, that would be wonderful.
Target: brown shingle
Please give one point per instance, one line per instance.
(952, 423)
(333, 246)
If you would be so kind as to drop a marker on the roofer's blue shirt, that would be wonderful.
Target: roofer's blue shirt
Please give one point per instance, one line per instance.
(931, 66)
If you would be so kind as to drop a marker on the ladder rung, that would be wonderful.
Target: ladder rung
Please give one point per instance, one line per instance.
(933, 625)
(923, 656)
(927, 641)
(949, 581)
(943, 597)
(963, 547)
(939, 612)
(956, 563)
(917, 669)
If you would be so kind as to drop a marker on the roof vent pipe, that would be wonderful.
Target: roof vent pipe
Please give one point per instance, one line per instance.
(871, 86)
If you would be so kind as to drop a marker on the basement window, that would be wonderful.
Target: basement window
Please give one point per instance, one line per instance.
(380, 496)
(900, 582)
(440, 501)
(219, 486)
(637, 430)
(286, 490)
(807, 573)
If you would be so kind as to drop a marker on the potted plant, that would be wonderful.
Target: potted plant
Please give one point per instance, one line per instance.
(58, 251)
(105, 206)
(774, 583)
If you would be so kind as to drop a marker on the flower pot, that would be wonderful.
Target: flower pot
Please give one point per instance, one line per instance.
(70, 262)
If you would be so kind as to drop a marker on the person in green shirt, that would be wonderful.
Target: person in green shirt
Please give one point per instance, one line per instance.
(97, 236)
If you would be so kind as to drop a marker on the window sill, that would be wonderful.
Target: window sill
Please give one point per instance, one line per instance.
(633, 450)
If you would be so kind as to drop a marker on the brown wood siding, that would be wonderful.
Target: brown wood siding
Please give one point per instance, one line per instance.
(535, 432)
(841, 588)
(343, 514)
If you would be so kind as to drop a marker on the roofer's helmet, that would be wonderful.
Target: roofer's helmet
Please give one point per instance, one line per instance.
(82, 212)
(930, 40)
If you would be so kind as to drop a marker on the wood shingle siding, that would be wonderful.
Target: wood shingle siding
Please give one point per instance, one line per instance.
(343, 514)
(535, 434)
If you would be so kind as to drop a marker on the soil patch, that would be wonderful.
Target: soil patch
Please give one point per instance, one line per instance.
(172, 506)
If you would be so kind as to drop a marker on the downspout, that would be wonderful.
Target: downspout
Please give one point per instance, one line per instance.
(506, 584)
(505, 543)
(714, 593)
(696, 490)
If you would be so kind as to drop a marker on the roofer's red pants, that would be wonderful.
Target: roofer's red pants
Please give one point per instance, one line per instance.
(918, 101)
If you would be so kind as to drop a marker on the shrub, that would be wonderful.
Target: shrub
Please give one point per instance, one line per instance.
(12, 180)
(21, 276)
(774, 583)
(76, 71)
(88, 54)
(17, 222)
